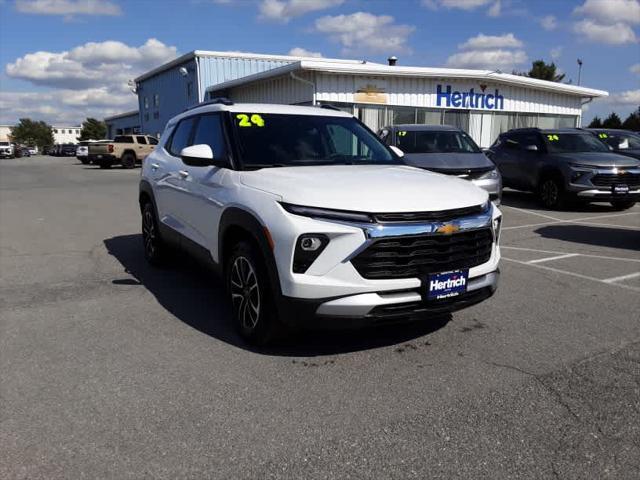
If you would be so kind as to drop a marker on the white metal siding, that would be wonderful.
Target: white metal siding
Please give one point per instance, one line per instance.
(282, 90)
(421, 92)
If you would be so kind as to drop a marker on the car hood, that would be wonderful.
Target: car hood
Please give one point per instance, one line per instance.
(596, 159)
(635, 153)
(449, 161)
(366, 188)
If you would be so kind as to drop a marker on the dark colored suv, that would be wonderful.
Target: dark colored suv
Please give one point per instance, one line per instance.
(566, 164)
(623, 142)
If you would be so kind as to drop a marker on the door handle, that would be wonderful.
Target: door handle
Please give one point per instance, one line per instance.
(183, 173)
(155, 166)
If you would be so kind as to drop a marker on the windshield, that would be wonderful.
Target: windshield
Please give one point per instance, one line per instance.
(435, 141)
(277, 140)
(573, 142)
(4, 144)
(621, 141)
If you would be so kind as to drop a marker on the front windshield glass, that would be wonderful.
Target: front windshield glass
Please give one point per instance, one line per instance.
(573, 142)
(435, 141)
(278, 140)
(622, 141)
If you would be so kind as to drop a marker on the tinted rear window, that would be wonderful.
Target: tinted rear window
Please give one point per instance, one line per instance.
(123, 139)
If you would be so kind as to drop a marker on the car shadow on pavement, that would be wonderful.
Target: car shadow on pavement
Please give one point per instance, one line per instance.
(529, 201)
(612, 237)
(195, 296)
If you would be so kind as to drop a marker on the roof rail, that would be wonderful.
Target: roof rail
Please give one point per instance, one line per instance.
(330, 107)
(213, 101)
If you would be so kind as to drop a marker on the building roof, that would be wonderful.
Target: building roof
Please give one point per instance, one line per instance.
(380, 70)
(122, 115)
(248, 55)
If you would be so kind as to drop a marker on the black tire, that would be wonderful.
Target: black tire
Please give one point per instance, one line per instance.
(551, 192)
(85, 161)
(155, 250)
(623, 204)
(252, 301)
(128, 160)
(104, 163)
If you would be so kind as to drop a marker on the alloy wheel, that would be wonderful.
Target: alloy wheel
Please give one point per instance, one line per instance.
(149, 233)
(245, 292)
(550, 193)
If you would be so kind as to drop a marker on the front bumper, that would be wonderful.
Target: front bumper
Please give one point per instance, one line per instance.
(383, 307)
(585, 187)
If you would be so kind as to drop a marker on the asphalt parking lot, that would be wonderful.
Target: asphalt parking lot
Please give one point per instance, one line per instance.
(112, 369)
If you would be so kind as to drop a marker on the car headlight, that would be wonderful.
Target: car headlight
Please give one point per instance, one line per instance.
(490, 175)
(327, 213)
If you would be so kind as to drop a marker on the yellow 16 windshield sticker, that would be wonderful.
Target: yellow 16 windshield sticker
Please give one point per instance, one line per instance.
(553, 138)
(250, 120)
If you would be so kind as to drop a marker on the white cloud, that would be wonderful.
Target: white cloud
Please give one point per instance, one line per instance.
(285, 10)
(468, 5)
(68, 7)
(88, 79)
(549, 22)
(611, 11)
(362, 31)
(615, 34)
(556, 52)
(487, 59)
(635, 68)
(482, 42)
(301, 52)
(629, 98)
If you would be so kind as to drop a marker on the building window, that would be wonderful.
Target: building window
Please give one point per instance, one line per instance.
(146, 102)
(146, 117)
(189, 90)
(156, 100)
(156, 115)
(55, 130)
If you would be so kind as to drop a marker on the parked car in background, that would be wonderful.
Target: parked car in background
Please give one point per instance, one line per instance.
(22, 151)
(67, 150)
(566, 165)
(33, 150)
(82, 151)
(312, 220)
(6, 150)
(624, 142)
(46, 150)
(447, 150)
(126, 150)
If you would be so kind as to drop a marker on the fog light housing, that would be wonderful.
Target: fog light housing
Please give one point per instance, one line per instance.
(497, 225)
(308, 248)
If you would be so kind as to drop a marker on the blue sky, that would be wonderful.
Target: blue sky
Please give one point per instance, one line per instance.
(63, 60)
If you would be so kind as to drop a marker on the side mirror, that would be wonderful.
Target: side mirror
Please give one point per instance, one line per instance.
(531, 148)
(199, 156)
(397, 151)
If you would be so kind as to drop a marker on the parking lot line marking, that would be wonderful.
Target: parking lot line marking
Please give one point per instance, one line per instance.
(623, 277)
(556, 257)
(604, 257)
(577, 220)
(573, 274)
(523, 210)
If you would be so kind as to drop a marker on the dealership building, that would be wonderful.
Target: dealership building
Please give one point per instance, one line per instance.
(483, 103)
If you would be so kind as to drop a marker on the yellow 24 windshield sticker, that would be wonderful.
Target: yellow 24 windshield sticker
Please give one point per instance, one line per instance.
(245, 120)
(553, 138)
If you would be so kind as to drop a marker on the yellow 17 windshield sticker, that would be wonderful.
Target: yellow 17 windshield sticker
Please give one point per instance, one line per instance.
(553, 138)
(246, 120)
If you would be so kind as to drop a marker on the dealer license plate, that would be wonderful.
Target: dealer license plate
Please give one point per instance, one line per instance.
(447, 284)
(619, 189)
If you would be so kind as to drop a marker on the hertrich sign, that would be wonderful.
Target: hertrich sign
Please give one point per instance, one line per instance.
(471, 99)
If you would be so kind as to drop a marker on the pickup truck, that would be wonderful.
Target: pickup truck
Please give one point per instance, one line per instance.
(126, 150)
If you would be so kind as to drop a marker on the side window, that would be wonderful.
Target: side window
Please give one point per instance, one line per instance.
(141, 140)
(153, 141)
(384, 135)
(526, 139)
(209, 131)
(181, 136)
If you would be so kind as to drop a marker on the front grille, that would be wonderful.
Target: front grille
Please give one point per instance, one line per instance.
(417, 255)
(440, 216)
(609, 179)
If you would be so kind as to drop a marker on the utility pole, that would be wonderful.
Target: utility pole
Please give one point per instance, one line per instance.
(579, 70)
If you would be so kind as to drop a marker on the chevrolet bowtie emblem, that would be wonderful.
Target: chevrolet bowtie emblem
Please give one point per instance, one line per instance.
(448, 229)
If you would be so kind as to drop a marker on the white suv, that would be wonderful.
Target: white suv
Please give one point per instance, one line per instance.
(311, 220)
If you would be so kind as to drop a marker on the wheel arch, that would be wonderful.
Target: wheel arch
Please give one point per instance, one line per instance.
(238, 224)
